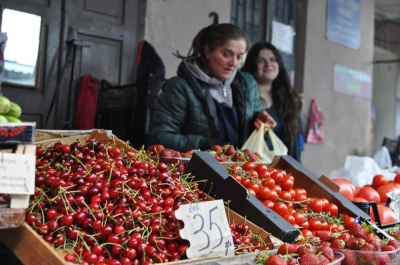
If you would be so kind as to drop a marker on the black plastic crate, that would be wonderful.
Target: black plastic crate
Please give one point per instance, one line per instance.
(116, 110)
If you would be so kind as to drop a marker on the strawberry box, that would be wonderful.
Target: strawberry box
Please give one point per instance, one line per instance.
(216, 181)
(371, 257)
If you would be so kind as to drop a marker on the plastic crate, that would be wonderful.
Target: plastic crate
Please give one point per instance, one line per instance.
(374, 257)
(116, 110)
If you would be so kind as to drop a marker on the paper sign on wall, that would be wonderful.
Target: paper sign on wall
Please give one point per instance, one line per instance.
(207, 229)
(17, 173)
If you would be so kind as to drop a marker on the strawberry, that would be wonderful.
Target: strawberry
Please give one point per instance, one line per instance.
(366, 254)
(394, 243)
(305, 249)
(276, 260)
(322, 260)
(345, 236)
(292, 261)
(327, 252)
(357, 243)
(350, 258)
(287, 248)
(358, 231)
(239, 157)
(374, 240)
(382, 259)
(250, 155)
(217, 148)
(229, 150)
(309, 259)
(388, 248)
(337, 244)
(324, 235)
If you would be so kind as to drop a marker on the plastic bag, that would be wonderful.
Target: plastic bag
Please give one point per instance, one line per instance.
(279, 148)
(360, 170)
(315, 129)
(256, 143)
(382, 157)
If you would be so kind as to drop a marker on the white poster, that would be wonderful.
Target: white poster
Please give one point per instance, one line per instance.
(282, 37)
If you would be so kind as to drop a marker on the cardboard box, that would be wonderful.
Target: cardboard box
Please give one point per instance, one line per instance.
(16, 133)
(215, 180)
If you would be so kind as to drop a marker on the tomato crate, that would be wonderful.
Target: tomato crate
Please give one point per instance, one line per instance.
(215, 180)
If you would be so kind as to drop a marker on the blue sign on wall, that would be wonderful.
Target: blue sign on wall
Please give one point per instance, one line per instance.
(343, 22)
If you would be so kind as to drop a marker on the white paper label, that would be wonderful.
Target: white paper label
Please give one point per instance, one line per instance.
(17, 173)
(395, 202)
(207, 229)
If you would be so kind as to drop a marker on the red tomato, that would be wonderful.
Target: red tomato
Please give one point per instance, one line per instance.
(316, 205)
(249, 166)
(359, 199)
(383, 190)
(397, 178)
(299, 218)
(315, 225)
(386, 215)
(280, 208)
(369, 193)
(348, 221)
(345, 189)
(287, 182)
(340, 181)
(379, 180)
(306, 233)
(332, 208)
(264, 193)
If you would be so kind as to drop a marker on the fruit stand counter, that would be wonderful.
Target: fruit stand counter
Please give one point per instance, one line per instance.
(47, 220)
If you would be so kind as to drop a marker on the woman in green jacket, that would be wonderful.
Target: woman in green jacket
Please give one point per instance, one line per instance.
(209, 102)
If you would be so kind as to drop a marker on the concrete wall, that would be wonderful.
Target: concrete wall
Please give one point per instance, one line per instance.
(347, 118)
(172, 24)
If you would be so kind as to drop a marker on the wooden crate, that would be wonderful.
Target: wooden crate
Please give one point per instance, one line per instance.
(22, 239)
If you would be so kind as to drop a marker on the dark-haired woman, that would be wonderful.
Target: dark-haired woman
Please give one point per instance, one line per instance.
(209, 102)
(279, 99)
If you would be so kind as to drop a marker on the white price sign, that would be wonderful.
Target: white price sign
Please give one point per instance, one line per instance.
(395, 202)
(17, 173)
(207, 229)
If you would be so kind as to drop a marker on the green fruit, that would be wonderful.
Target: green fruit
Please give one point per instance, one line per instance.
(3, 119)
(5, 105)
(12, 119)
(15, 110)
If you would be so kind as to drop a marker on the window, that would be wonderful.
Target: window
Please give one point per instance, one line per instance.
(21, 51)
(269, 20)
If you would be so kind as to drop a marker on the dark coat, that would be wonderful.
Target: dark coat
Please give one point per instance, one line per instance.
(185, 116)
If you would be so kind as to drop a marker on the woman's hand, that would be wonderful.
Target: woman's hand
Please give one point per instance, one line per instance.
(264, 117)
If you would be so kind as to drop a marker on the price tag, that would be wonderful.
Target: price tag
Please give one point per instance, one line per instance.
(395, 202)
(207, 229)
(17, 173)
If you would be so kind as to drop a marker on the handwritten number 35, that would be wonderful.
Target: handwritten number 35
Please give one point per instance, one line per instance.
(201, 229)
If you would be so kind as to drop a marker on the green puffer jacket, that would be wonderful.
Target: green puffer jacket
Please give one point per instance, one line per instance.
(185, 115)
